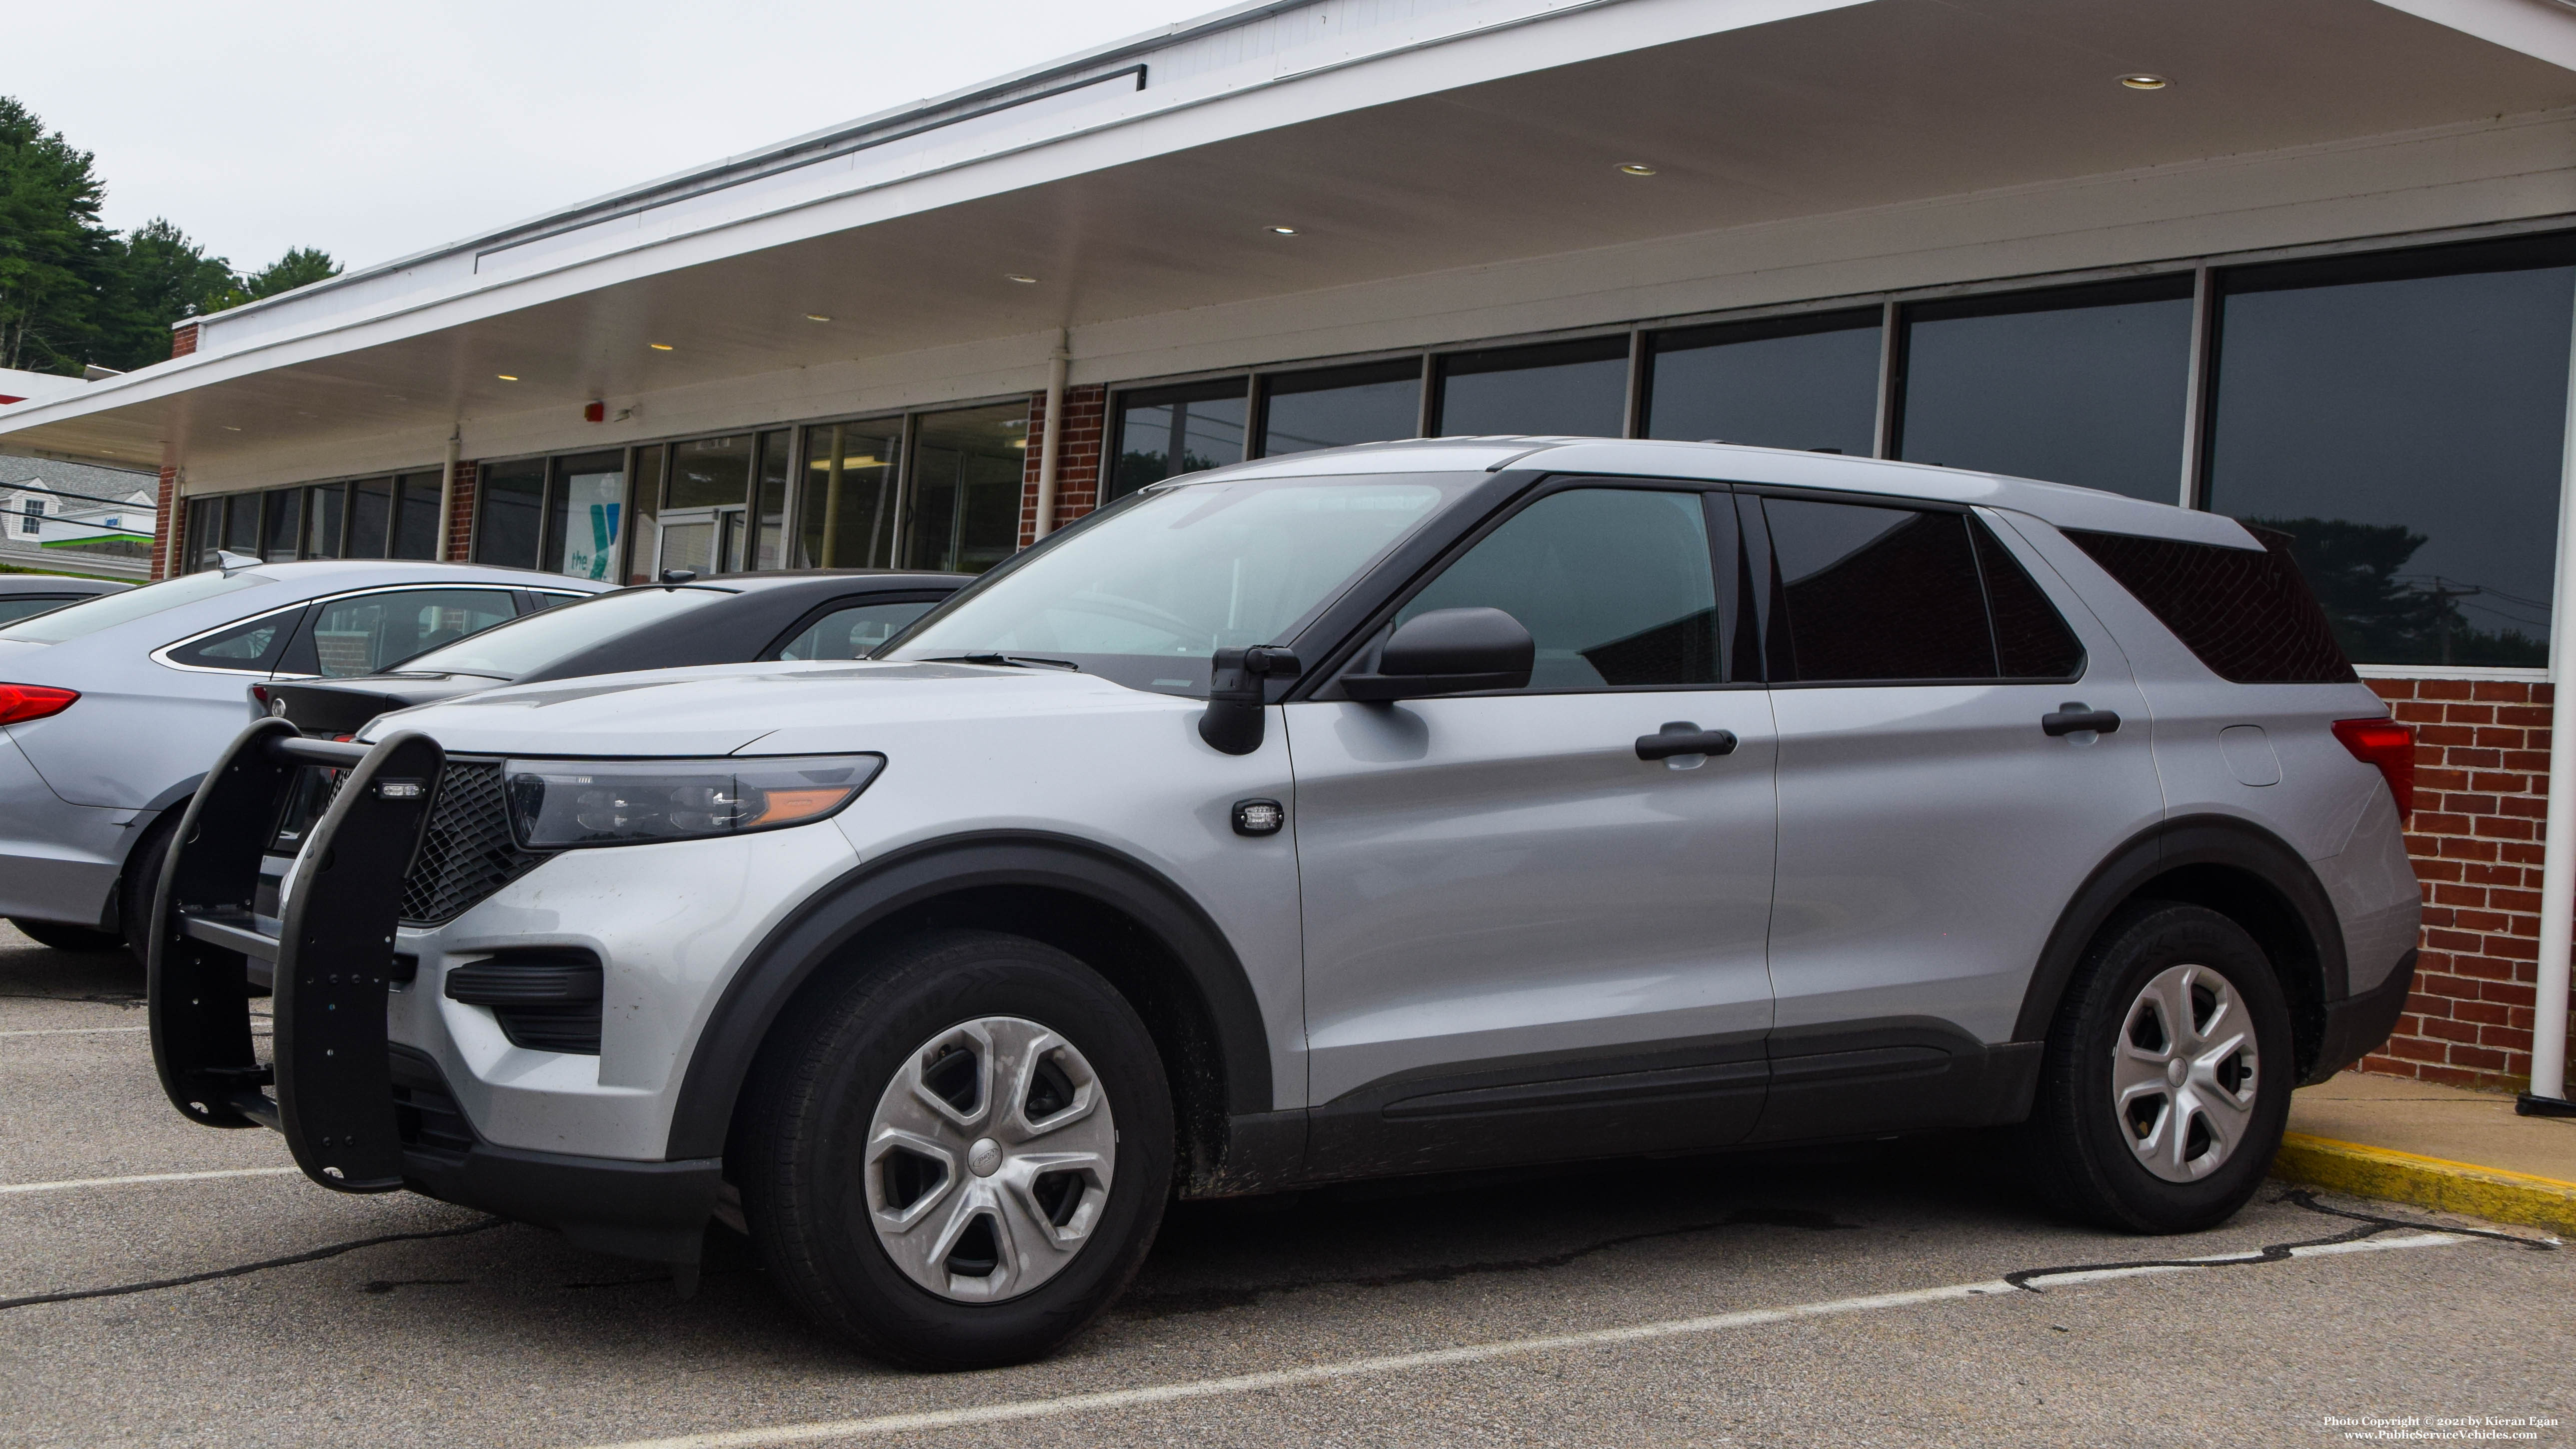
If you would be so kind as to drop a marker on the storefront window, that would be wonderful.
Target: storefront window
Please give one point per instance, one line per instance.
(644, 531)
(283, 520)
(1167, 431)
(849, 494)
(777, 453)
(325, 510)
(2082, 385)
(416, 512)
(705, 505)
(1578, 389)
(1781, 382)
(509, 512)
(1335, 407)
(371, 516)
(2401, 417)
(585, 513)
(966, 473)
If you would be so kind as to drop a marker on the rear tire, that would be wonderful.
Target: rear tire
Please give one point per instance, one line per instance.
(958, 1159)
(142, 881)
(2166, 1083)
(63, 937)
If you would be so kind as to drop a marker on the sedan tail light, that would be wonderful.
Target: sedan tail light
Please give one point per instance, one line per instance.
(2388, 745)
(20, 703)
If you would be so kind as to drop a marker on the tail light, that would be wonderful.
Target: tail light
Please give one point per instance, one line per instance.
(2388, 745)
(20, 703)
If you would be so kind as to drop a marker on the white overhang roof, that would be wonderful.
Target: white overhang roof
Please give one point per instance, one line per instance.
(1140, 180)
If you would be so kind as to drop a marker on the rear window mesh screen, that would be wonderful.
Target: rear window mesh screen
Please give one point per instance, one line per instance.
(2246, 614)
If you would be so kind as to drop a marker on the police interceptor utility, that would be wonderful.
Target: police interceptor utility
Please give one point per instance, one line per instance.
(1385, 810)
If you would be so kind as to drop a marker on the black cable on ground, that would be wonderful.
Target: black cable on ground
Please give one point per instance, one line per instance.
(73, 1295)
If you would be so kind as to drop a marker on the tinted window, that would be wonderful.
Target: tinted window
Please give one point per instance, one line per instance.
(255, 645)
(540, 639)
(370, 632)
(125, 606)
(2401, 419)
(323, 509)
(2031, 639)
(1614, 584)
(22, 605)
(2244, 612)
(1169, 431)
(2076, 385)
(371, 507)
(508, 514)
(967, 467)
(416, 521)
(1867, 593)
(1790, 382)
(284, 521)
(852, 632)
(849, 494)
(1574, 388)
(1329, 409)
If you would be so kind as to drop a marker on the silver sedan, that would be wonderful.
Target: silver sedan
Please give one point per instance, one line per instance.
(112, 710)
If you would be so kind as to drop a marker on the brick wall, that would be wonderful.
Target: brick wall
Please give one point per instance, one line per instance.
(183, 339)
(460, 523)
(169, 523)
(1077, 469)
(2481, 792)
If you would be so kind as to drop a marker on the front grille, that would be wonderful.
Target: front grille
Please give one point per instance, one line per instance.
(467, 852)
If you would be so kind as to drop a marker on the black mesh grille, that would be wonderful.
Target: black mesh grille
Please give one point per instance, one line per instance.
(467, 853)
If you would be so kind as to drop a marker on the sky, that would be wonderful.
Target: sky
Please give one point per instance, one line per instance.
(375, 130)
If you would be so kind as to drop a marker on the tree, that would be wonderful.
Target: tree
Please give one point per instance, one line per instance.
(162, 277)
(55, 257)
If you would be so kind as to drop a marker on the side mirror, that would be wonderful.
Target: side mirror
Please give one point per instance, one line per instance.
(1449, 651)
(1237, 691)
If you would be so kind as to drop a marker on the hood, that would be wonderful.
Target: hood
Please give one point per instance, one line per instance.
(723, 709)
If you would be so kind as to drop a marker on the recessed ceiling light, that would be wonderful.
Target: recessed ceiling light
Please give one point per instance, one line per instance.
(1636, 168)
(1283, 231)
(1016, 277)
(816, 317)
(2142, 81)
(659, 346)
(507, 376)
(229, 428)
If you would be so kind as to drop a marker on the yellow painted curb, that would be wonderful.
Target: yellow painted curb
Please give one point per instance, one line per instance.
(2455, 1187)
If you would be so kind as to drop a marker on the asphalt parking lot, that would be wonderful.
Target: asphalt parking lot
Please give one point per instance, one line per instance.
(1889, 1294)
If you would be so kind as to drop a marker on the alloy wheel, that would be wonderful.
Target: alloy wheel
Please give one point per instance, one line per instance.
(2183, 1073)
(989, 1159)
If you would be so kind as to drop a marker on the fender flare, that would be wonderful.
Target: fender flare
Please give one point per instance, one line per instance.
(752, 999)
(2171, 845)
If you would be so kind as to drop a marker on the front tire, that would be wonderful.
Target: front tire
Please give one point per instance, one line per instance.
(2166, 1083)
(958, 1159)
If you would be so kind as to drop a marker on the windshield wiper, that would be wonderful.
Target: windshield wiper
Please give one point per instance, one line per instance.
(1015, 661)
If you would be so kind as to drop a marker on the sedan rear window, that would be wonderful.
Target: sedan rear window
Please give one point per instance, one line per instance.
(109, 610)
(537, 640)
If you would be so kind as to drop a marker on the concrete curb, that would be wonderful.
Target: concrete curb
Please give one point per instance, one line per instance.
(2456, 1187)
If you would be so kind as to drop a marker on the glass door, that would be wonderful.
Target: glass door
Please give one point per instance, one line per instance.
(706, 505)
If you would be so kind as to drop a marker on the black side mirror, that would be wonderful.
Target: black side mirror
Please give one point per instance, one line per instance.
(1237, 694)
(1449, 651)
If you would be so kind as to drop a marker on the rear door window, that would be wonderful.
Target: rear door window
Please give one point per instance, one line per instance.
(368, 633)
(1871, 593)
(855, 631)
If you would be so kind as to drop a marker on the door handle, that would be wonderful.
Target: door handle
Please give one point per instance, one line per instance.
(1682, 737)
(2073, 718)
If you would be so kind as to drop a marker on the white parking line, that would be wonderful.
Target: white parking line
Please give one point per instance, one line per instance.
(819, 1431)
(73, 1030)
(76, 1183)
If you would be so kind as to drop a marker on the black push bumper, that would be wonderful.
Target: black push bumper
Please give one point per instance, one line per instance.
(2357, 1025)
(359, 1113)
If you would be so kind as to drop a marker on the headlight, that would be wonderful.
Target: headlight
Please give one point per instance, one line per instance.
(556, 804)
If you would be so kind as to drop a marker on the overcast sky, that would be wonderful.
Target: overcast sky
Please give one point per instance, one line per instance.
(374, 130)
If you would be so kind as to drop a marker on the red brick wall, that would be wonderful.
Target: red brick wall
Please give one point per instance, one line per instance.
(1077, 469)
(169, 522)
(460, 523)
(183, 339)
(2481, 792)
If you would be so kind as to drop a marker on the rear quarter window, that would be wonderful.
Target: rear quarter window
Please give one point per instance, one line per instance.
(2246, 613)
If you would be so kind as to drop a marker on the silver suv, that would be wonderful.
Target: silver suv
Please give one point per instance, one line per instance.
(1386, 810)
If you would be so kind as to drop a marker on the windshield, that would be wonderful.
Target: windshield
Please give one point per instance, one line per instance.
(1145, 594)
(109, 610)
(507, 651)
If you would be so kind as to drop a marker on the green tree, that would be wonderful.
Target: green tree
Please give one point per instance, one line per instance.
(55, 257)
(162, 277)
